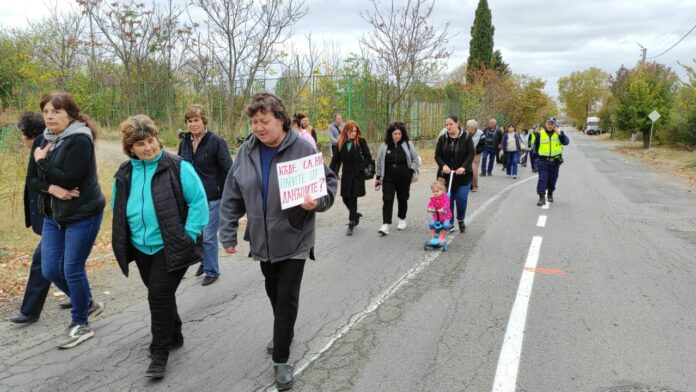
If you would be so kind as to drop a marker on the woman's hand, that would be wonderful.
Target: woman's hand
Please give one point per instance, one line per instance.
(459, 171)
(378, 182)
(62, 193)
(446, 169)
(231, 249)
(309, 203)
(41, 153)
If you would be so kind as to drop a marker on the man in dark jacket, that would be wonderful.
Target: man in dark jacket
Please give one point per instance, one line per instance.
(211, 158)
(492, 142)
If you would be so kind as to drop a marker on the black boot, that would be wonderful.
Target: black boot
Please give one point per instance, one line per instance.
(550, 197)
(157, 367)
(542, 200)
(357, 221)
(349, 231)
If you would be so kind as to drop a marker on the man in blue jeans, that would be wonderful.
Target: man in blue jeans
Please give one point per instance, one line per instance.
(492, 138)
(211, 158)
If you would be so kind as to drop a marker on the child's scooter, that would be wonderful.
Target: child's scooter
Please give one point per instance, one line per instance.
(439, 232)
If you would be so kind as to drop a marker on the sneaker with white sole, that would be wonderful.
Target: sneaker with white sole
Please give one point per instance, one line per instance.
(74, 335)
(384, 230)
(401, 225)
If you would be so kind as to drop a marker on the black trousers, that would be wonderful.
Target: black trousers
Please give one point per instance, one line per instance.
(352, 206)
(397, 180)
(37, 287)
(283, 280)
(335, 161)
(161, 295)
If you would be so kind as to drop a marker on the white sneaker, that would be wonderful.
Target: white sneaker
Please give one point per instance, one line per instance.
(401, 225)
(384, 230)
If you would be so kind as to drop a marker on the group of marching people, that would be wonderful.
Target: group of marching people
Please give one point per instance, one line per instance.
(170, 211)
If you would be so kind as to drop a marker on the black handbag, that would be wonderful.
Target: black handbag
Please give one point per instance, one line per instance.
(368, 167)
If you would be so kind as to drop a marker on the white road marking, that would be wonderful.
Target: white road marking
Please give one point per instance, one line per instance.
(310, 357)
(546, 206)
(541, 222)
(510, 353)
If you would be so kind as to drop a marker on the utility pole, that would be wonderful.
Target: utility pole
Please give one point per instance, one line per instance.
(643, 53)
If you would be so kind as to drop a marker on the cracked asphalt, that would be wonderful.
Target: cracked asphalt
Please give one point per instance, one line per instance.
(621, 314)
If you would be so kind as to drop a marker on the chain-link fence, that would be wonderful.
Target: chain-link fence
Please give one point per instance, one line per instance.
(364, 100)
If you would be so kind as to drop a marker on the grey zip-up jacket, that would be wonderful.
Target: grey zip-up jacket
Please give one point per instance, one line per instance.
(411, 158)
(277, 234)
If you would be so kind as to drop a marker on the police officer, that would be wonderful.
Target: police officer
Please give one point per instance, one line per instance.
(549, 146)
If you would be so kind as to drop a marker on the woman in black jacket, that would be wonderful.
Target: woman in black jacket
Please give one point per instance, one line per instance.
(455, 151)
(354, 155)
(72, 204)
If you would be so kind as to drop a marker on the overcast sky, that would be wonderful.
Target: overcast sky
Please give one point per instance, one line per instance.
(545, 38)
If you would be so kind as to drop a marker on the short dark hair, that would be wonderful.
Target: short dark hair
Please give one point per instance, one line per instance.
(268, 103)
(393, 127)
(31, 124)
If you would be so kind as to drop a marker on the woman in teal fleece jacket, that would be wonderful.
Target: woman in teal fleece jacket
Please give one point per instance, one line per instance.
(160, 209)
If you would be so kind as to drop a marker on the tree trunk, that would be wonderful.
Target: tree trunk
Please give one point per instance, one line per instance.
(646, 139)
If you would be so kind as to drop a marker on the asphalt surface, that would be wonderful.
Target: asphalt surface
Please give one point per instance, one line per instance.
(611, 306)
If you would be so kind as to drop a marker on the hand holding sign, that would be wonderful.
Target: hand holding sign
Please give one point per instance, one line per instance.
(309, 203)
(301, 182)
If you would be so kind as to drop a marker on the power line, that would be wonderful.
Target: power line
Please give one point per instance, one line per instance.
(677, 43)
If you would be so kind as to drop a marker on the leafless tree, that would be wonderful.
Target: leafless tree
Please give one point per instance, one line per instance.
(148, 42)
(61, 42)
(404, 44)
(246, 38)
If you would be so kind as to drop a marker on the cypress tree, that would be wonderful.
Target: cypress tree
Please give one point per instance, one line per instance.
(481, 44)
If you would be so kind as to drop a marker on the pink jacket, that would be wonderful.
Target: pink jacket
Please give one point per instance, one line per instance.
(441, 202)
(304, 134)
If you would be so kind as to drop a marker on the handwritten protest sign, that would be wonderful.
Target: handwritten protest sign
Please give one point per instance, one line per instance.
(304, 176)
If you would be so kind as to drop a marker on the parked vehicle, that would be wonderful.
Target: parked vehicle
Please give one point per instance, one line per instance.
(592, 126)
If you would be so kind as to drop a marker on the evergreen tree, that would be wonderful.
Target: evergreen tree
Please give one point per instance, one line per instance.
(481, 44)
(498, 65)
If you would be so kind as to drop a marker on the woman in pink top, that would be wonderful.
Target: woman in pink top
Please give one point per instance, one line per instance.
(303, 133)
(439, 206)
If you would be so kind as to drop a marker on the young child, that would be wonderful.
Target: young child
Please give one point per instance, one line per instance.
(439, 206)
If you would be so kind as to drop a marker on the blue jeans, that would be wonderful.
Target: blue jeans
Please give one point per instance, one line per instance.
(64, 252)
(210, 240)
(461, 196)
(488, 156)
(548, 175)
(511, 159)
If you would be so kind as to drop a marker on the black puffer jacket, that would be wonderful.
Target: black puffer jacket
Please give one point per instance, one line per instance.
(71, 164)
(171, 209)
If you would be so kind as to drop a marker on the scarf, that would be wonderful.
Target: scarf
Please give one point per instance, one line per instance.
(75, 128)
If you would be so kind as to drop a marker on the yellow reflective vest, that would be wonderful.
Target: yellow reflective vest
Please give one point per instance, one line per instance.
(549, 146)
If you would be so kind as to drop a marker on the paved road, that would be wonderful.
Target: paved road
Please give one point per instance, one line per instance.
(611, 301)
